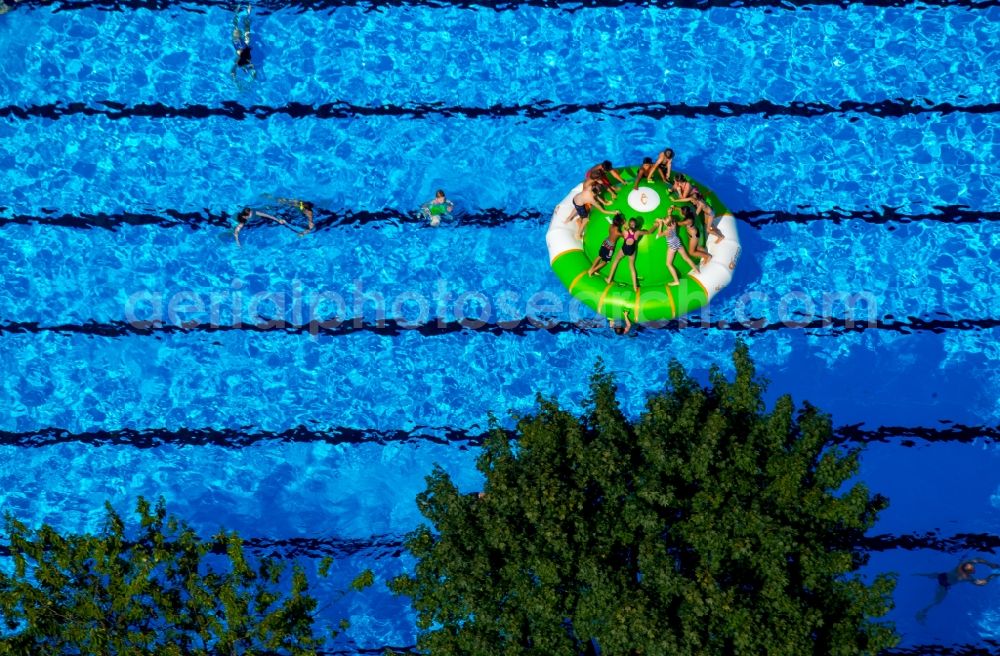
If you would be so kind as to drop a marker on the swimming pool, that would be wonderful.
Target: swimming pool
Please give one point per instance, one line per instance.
(300, 389)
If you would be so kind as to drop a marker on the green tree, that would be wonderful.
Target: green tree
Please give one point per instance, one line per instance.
(708, 526)
(162, 591)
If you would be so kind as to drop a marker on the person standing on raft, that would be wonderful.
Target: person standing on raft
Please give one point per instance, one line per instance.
(667, 227)
(631, 236)
(608, 247)
(583, 203)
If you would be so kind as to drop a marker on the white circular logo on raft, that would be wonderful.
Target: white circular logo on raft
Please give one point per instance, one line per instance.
(643, 199)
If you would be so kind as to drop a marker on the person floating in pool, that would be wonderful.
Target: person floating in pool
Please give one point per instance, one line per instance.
(307, 211)
(602, 174)
(646, 170)
(437, 207)
(608, 247)
(664, 163)
(667, 227)
(622, 329)
(964, 573)
(241, 43)
(585, 201)
(247, 215)
(630, 237)
(304, 207)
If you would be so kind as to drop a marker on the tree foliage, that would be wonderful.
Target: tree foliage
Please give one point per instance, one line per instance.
(708, 526)
(162, 591)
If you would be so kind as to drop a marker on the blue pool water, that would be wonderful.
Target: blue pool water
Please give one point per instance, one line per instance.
(856, 144)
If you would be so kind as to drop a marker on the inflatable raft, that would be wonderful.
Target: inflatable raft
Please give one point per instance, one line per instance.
(656, 300)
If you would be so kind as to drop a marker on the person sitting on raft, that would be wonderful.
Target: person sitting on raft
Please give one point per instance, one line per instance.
(646, 170)
(667, 227)
(437, 207)
(603, 173)
(631, 237)
(583, 203)
(680, 186)
(664, 162)
(608, 247)
(244, 217)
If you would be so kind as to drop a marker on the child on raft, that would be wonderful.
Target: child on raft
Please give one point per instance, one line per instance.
(694, 240)
(667, 227)
(602, 174)
(645, 170)
(695, 197)
(608, 247)
(664, 162)
(631, 237)
(585, 201)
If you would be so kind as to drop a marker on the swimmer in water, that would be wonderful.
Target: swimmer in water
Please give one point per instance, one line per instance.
(964, 573)
(246, 215)
(303, 206)
(437, 207)
(622, 329)
(241, 43)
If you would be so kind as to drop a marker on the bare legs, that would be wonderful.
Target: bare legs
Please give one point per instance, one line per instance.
(710, 227)
(631, 266)
(670, 264)
(598, 264)
(581, 223)
(694, 247)
(614, 266)
(635, 278)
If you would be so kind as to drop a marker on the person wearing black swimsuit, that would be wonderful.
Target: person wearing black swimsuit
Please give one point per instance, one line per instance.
(588, 199)
(608, 247)
(631, 235)
(964, 573)
(694, 241)
(241, 44)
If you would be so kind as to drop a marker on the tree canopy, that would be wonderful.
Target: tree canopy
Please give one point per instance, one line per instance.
(160, 589)
(706, 526)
